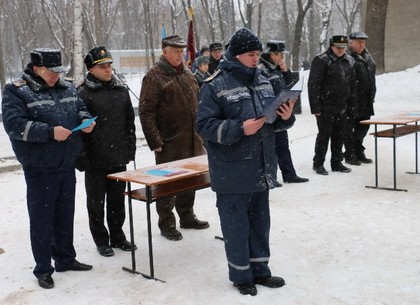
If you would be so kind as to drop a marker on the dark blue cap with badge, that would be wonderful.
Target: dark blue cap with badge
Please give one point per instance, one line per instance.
(358, 35)
(49, 58)
(97, 56)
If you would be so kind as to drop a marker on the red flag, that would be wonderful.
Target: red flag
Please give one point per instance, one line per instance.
(190, 45)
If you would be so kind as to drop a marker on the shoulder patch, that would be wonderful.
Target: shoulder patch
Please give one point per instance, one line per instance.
(210, 78)
(19, 83)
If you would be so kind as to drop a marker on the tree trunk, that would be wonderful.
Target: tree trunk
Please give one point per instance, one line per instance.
(259, 18)
(219, 13)
(98, 23)
(375, 26)
(78, 43)
(298, 33)
(209, 19)
(325, 19)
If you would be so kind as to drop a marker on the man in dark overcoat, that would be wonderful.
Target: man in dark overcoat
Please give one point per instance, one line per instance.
(331, 92)
(167, 109)
(365, 69)
(108, 149)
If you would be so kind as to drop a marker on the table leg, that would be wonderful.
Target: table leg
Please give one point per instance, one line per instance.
(377, 167)
(149, 230)
(376, 159)
(394, 160)
(417, 154)
(149, 235)
(130, 217)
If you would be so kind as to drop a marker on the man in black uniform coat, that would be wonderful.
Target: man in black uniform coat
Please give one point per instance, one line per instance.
(216, 51)
(108, 150)
(331, 92)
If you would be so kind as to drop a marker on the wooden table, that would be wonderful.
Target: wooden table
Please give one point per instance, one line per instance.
(402, 124)
(161, 181)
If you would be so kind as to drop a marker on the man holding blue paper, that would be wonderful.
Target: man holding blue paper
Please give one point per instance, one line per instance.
(108, 149)
(39, 112)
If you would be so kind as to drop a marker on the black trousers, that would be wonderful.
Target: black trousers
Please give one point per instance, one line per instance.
(283, 155)
(330, 126)
(50, 198)
(184, 205)
(98, 189)
(355, 134)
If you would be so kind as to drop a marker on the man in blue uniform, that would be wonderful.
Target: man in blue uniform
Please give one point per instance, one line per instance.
(242, 160)
(39, 113)
(275, 69)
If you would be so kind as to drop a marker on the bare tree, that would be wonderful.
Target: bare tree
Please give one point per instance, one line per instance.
(209, 19)
(219, 13)
(148, 31)
(375, 26)
(259, 18)
(302, 10)
(325, 19)
(246, 16)
(2, 68)
(98, 22)
(286, 20)
(349, 12)
(78, 42)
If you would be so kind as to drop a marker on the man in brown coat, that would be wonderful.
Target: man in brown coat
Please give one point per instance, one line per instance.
(167, 109)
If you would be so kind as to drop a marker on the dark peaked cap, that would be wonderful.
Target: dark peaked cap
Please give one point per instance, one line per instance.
(214, 46)
(339, 41)
(97, 56)
(173, 41)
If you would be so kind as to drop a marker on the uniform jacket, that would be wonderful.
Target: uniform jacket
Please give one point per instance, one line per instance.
(365, 69)
(332, 83)
(112, 142)
(238, 163)
(213, 65)
(200, 77)
(167, 109)
(31, 109)
(278, 79)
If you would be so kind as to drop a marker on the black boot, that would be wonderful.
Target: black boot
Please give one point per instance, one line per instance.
(320, 169)
(74, 265)
(247, 289)
(192, 222)
(270, 281)
(362, 158)
(352, 160)
(171, 233)
(45, 281)
(296, 179)
(339, 167)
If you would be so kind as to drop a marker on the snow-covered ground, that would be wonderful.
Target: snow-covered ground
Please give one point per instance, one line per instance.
(333, 240)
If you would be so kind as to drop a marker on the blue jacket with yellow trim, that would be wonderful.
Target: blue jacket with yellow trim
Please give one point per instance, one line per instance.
(238, 163)
(30, 111)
